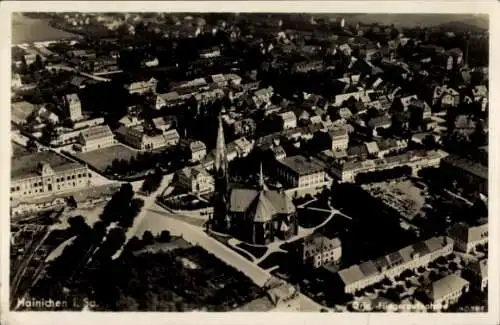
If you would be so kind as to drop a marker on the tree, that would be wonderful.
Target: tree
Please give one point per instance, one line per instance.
(152, 181)
(165, 236)
(148, 238)
(48, 133)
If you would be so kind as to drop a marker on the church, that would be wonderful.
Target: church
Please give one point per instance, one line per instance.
(255, 215)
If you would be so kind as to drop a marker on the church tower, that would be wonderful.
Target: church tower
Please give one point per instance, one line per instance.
(221, 218)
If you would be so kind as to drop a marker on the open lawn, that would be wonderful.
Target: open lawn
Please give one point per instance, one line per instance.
(102, 158)
(311, 218)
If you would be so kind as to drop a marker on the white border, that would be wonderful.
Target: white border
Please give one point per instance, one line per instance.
(490, 318)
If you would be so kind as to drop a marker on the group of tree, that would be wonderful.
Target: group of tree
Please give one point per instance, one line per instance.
(152, 181)
(383, 175)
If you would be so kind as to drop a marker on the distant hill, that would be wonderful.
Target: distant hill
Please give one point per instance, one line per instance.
(425, 20)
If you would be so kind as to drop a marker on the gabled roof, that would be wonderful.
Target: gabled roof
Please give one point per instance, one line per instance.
(442, 287)
(261, 205)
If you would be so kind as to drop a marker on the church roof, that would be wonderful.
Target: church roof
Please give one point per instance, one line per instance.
(261, 205)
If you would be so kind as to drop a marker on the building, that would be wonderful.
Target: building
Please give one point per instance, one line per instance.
(243, 146)
(210, 53)
(379, 122)
(318, 249)
(288, 120)
(167, 99)
(300, 171)
(73, 107)
(467, 238)
(142, 87)
(467, 172)
(446, 291)
(258, 216)
(340, 139)
(360, 276)
(138, 139)
(194, 149)
(96, 137)
(477, 273)
(346, 172)
(45, 173)
(172, 138)
(195, 180)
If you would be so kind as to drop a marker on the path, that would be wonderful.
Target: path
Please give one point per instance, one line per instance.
(302, 232)
(196, 236)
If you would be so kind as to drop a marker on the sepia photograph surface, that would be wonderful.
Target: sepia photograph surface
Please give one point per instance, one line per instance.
(249, 162)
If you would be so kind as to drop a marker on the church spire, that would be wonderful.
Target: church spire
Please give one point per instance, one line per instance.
(220, 150)
(262, 184)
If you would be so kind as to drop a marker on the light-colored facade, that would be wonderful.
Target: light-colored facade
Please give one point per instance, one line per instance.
(340, 139)
(446, 291)
(96, 137)
(142, 87)
(288, 120)
(196, 180)
(74, 107)
(195, 149)
(318, 250)
(358, 277)
(468, 238)
(45, 173)
(299, 172)
(347, 172)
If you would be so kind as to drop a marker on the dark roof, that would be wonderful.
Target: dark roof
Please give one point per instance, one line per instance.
(30, 165)
(261, 205)
(302, 165)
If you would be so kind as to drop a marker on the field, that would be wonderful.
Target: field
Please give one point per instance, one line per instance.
(102, 158)
(404, 196)
(28, 30)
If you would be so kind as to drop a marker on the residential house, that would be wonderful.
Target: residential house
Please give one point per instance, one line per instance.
(383, 122)
(142, 87)
(169, 99)
(195, 180)
(466, 237)
(243, 146)
(360, 276)
(319, 249)
(288, 120)
(130, 121)
(340, 139)
(446, 291)
(195, 149)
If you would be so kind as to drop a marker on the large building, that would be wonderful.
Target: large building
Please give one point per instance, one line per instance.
(466, 172)
(255, 215)
(45, 173)
(300, 172)
(467, 238)
(73, 107)
(96, 137)
(347, 172)
(446, 291)
(358, 277)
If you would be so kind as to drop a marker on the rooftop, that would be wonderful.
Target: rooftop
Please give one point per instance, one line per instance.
(302, 165)
(30, 165)
(468, 165)
(442, 287)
